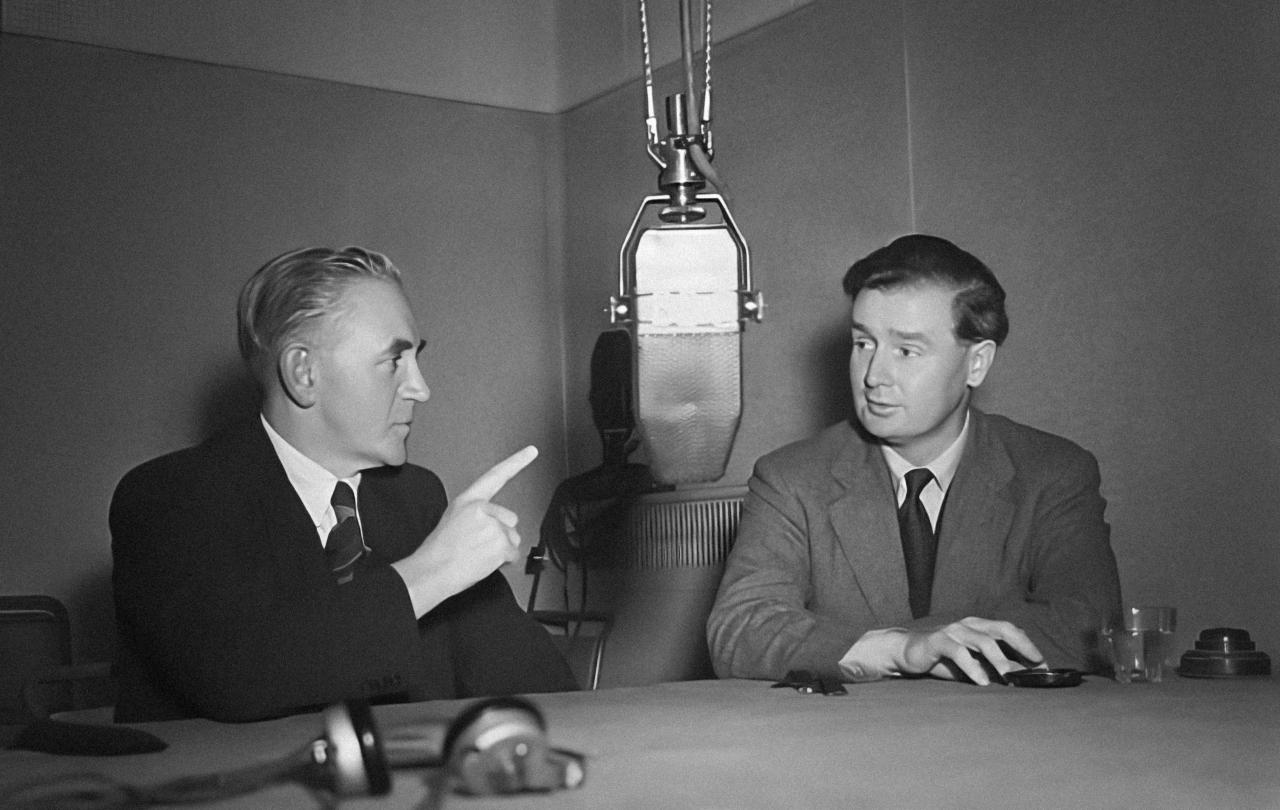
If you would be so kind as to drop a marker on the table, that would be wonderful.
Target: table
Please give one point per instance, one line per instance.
(1184, 743)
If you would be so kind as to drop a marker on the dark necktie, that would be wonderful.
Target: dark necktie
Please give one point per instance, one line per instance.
(918, 546)
(345, 545)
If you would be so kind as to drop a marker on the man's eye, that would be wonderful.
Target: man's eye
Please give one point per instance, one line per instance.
(908, 351)
(861, 344)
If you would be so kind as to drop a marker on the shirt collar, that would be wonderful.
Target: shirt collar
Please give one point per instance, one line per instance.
(943, 467)
(313, 483)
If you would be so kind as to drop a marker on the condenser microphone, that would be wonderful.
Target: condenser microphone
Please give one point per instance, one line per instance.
(684, 290)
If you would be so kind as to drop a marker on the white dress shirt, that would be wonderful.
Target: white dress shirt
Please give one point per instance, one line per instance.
(313, 483)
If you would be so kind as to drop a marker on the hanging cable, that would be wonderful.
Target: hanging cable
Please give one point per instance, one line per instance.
(692, 108)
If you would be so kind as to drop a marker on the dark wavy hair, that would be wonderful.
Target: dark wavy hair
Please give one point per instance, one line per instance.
(978, 306)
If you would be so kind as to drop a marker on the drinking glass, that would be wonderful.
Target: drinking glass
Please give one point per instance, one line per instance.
(1140, 644)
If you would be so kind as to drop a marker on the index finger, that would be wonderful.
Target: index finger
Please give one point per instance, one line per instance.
(1021, 643)
(1007, 633)
(491, 482)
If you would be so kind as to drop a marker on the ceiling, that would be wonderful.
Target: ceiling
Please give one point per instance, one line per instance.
(538, 55)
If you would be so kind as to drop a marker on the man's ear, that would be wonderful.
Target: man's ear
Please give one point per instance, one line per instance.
(297, 375)
(979, 357)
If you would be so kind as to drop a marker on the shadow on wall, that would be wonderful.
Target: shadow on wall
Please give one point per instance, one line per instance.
(228, 394)
(92, 612)
(833, 397)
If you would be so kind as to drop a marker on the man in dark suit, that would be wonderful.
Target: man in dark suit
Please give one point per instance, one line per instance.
(246, 587)
(996, 558)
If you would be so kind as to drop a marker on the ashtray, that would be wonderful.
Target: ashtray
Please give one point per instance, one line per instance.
(1045, 678)
(1224, 652)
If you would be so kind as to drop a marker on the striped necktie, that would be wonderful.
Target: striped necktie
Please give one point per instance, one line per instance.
(919, 547)
(345, 546)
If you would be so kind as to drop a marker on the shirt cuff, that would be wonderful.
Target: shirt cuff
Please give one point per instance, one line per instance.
(871, 657)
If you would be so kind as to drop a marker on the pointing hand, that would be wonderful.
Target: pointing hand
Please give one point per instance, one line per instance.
(473, 539)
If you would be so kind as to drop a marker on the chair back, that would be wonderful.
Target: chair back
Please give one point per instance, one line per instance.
(35, 635)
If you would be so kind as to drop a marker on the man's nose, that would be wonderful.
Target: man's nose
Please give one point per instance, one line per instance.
(877, 371)
(416, 386)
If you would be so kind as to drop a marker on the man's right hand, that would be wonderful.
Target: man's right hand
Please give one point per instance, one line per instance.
(961, 648)
(473, 538)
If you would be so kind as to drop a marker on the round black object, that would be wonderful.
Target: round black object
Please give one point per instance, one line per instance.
(1224, 652)
(1045, 678)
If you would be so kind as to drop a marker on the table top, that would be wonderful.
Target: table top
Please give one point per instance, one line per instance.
(741, 744)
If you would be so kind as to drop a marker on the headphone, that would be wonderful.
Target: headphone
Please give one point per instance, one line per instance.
(498, 745)
(348, 759)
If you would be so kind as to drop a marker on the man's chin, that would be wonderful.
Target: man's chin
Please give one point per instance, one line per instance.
(879, 427)
(394, 456)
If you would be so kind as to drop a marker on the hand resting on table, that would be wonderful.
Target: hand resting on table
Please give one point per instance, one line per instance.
(968, 648)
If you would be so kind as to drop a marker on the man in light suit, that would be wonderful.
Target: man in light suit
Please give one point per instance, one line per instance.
(231, 599)
(1018, 569)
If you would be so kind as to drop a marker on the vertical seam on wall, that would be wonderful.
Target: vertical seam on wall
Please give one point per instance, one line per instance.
(554, 245)
(906, 85)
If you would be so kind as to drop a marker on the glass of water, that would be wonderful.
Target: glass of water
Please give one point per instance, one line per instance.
(1140, 644)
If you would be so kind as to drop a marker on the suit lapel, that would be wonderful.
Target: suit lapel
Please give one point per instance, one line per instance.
(865, 523)
(975, 521)
(387, 530)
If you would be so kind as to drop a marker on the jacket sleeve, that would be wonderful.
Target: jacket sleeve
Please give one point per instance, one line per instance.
(496, 647)
(759, 626)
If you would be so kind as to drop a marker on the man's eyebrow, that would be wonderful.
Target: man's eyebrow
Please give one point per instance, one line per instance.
(400, 346)
(897, 334)
(913, 337)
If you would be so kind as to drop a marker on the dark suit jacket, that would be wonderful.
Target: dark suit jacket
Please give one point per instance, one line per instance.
(226, 607)
(818, 559)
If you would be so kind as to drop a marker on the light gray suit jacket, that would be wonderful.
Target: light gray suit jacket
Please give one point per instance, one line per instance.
(818, 559)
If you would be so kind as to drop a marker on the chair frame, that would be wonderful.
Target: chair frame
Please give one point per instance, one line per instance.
(39, 688)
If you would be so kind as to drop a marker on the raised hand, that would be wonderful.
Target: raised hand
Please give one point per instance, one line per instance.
(474, 537)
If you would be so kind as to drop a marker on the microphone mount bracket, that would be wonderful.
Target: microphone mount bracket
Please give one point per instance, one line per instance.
(696, 243)
(680, 177)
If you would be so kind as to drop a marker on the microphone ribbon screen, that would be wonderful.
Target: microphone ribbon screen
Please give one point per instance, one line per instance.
(688, 348)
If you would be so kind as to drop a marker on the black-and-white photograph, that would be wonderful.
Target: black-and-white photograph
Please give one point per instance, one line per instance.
(640, 404)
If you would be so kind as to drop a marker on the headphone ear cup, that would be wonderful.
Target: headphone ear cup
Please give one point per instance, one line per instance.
(354, 763)
(496, 746)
